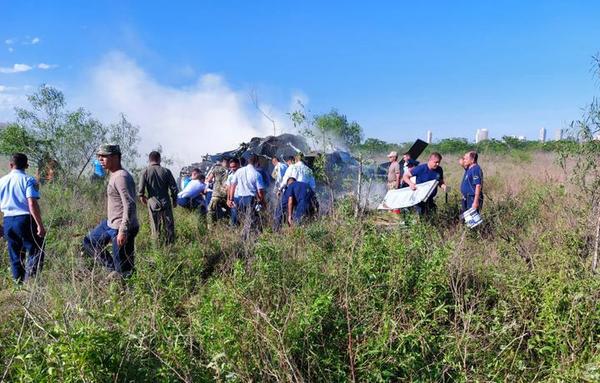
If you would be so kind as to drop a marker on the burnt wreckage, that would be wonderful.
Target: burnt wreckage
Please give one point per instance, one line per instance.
(336, 162)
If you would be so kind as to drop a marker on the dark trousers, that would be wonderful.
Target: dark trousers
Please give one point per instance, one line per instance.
(426, 207)
(162, 224)
(121, 261)
(190, 203)
(244, 209)
(22, 240)
(467, 202)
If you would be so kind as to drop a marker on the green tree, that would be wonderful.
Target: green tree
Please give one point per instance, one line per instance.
(47, 132)
(334, 125)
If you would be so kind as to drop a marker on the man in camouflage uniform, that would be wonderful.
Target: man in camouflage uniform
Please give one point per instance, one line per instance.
(218, 201)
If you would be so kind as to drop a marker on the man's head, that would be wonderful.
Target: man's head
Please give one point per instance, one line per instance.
(406, 156)
(202, 178)
(195, 174)
(18, 161)
(291, 180)
(253, 160)
(224, 162)
(109, 156)
(461, 162)
(234, 164)
(434, 160)
(470, 158)
(274, 161)
(393, 156)
(154, 157)
(289, 160)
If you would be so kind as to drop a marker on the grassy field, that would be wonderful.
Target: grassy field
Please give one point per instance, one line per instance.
(342, 299)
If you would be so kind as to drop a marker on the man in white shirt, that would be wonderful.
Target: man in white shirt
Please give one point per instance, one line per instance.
(192, 196)
(247, 188)
(23, 228)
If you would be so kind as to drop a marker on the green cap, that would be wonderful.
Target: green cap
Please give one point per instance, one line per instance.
(108, 149)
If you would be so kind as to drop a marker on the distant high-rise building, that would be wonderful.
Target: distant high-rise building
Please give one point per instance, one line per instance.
(543, 135)
(559, 134)
(429, 137)
(481, 135)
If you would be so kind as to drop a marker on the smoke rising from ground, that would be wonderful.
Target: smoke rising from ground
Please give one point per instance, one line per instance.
(206, 117)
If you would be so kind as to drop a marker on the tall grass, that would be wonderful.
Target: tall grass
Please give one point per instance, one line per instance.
(340, 299)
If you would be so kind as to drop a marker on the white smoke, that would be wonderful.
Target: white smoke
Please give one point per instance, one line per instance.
(206, 117)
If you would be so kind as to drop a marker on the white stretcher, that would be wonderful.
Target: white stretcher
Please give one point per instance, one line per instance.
(405, 197)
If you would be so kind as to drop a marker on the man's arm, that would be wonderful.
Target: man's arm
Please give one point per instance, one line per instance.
(34, 210)
(477, 195)
(406, 179)
(128, 203)
(172, 187)
(398, 177)
(142, 188)
(230, 194)
(290, 210)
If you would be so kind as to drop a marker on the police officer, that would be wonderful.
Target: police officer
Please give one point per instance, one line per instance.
(472, 183)
(23, 227)
(247, 189)
(426, 172)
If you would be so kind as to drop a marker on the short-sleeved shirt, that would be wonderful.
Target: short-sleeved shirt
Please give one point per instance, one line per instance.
(393, 171)
(473, 177)
(424, 174)
(248, 181)
(15, 188)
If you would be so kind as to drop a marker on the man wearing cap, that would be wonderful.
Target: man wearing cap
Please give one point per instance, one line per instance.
(121, 225)
(23, 227)
(423, 173)
(472, 183)
(157, 181)
(218, 201)
(393, 178)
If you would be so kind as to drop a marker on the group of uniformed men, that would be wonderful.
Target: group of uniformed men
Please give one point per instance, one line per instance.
(414, 173)
(239, 192)
(242, 191)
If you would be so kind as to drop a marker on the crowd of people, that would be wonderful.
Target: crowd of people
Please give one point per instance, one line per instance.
(413, 173)
(228, 191)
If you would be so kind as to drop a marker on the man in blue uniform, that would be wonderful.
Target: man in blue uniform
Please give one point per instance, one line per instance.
(472, 183)
(426, 172)
(23, 227)
(299, 199)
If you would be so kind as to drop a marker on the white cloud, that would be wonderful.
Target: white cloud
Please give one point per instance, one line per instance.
(16, 68)
(11, 49)
(46, 66)
(206, 117)
(9, 41)
(35, 40)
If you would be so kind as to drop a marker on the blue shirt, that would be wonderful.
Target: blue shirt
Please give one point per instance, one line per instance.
(15, 188)
(98, 169)
(424, 174)
(248, 181)
(473, 177)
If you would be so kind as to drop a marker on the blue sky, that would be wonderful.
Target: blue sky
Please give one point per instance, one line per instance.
(398, 68)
